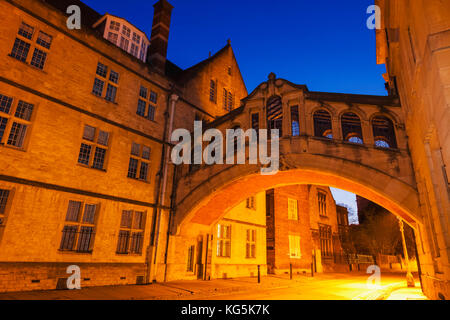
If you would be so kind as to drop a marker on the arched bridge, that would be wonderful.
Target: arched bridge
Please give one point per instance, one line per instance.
(352, 142)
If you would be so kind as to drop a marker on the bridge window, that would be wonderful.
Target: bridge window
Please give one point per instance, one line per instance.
(275, 114)
(383, 132)
(322, 124)
(351, 128)
(295, 124)
(223, 241)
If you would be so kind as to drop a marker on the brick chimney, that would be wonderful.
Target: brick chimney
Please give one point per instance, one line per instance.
(160, 34)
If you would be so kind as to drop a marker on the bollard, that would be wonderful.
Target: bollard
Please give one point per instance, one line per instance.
(290, 271)
(259, 273)
(312, 269)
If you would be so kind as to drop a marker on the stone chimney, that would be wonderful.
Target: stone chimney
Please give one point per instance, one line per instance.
(160, 34)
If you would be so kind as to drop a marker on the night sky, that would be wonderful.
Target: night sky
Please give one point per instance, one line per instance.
(324, 44)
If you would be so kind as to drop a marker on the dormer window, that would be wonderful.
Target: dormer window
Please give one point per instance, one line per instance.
(114, 25)
(136, 38)
(126, 31)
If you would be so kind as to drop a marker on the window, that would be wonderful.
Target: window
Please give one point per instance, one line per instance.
(147, 107)
(79, 228)
(213, 91)
(126, 31)
(325, 241)
(134, 50)
(139, 162)
(250, 203)
(250, 250)
(351, 128)
(295, 124)
(114, 25)
(124, 43)
(190, 262)
(131, 233)
(4, 194)
(322, 203)
(136, 38)
(113, 37)
(292, 209)
(223, 241)
(227, 100)
(322, 124)
(93, 140)
(383, 132)
(20, 118)
(275, 114)
(101, 79)
(294, 247)
(23, 45)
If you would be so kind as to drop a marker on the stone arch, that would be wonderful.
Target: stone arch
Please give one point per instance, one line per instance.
(209, 200)
(356, 110)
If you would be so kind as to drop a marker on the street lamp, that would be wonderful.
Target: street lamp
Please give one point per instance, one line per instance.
(409, 276)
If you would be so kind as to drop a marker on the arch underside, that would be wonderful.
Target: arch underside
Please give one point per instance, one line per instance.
(208, 201)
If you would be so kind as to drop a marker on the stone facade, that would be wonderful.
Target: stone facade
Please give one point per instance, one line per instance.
(414, 43)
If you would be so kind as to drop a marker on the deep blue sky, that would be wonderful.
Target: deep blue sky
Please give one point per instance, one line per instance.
(323, 43)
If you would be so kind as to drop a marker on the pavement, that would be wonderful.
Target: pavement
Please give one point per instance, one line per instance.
(328, 286)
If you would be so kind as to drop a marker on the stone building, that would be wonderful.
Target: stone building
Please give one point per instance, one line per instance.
(414, 44)
(84, 123)
(302, 229)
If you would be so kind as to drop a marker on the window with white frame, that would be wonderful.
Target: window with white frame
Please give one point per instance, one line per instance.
(223, 240)
(139, 165)
(114, 25)
(147, 103)
(24, 43)
(106, 77)
(79, 227)
(131, 233)
(292, 209)
(250, 251)
(15, 121)
(93, 149)
(294, 247)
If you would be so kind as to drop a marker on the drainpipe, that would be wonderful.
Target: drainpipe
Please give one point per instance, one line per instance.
(172, 101)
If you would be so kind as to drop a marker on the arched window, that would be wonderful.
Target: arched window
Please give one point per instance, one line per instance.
(275, 114)
(351, 128)
(322, 124)
(383, 132)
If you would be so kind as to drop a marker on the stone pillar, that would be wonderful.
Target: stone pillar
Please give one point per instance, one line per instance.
(367, 133)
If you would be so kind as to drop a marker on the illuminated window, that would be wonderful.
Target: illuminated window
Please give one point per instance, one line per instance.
(250, 250)
(223, 241)
(294, 247)
(79, 228)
